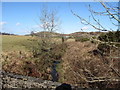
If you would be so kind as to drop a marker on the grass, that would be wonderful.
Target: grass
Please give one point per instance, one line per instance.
(59, 70)
(17, 43)
(76, 61)
(18, 55)
(81, 39)
(70, 40)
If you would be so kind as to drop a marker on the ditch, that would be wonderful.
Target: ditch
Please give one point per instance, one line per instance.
(54, 72)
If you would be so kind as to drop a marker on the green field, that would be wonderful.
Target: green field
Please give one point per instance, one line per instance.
(18, 43)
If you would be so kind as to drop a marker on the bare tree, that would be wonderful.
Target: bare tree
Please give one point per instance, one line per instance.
(49, 20)
(49, 23)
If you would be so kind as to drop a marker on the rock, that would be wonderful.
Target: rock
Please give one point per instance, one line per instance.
(10, 80)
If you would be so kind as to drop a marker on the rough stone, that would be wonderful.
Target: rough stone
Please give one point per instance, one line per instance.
(10, 80)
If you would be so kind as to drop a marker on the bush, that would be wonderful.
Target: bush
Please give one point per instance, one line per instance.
(81, 39)
(93, 41)
(104, 48)
(103, 37)
(94, 37)
(110, 36)
(117, 34)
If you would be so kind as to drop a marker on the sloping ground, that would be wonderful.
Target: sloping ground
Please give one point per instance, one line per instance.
(18, 56)
(80, 65)
(24, 64)
(17, 43)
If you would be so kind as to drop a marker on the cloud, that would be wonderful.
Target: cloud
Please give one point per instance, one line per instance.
(85, 28)
(2, 23)
(17, 24)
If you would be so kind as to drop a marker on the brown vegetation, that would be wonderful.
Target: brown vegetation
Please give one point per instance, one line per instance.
(25, 63)
(82, 63)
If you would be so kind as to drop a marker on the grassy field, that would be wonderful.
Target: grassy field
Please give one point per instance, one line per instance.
(18, 55)
(17, 43)
(78, 60)
(22, 43)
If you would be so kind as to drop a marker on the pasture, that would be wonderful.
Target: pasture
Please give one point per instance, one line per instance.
(17, 43)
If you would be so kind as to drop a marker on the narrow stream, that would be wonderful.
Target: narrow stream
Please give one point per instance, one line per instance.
(54, 73)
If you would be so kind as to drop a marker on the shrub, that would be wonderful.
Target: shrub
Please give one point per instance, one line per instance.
(110, 36)
(104, 48)
(103, 37)
(93, 41)
(117, 34)
(94, 37)
(81, 39)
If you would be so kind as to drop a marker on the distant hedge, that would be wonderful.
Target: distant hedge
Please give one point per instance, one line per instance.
(6, 33)
(110, 36)
(81, 39)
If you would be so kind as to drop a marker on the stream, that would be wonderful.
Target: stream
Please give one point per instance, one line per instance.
(54, 73)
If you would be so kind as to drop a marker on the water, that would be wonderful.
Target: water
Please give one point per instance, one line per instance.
(54, 73)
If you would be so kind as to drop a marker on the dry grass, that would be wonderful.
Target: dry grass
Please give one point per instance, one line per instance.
(17, 51)
(79, 64)
(17, 56)
(70, 40)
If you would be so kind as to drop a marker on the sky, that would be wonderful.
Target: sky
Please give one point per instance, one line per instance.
(23, 17)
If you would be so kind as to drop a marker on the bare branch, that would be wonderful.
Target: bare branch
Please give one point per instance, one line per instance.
(49, 21)
(109, 13)
(95, 18)
(88, 23)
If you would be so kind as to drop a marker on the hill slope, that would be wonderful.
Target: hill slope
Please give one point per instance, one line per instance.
(81, 64)
(17, 43)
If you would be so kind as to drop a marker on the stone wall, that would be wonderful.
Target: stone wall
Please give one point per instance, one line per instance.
(10, 80)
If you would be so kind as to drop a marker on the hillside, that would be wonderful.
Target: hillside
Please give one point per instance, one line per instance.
(54, 34)
(25, 55)
(81, 64)
(17, 43)
(84, 33)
